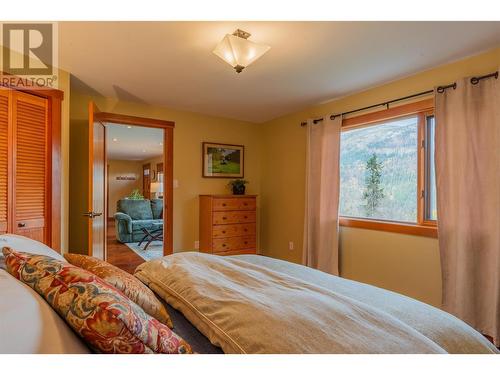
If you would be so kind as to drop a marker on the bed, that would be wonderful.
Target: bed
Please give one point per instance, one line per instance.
(255, 304)
(249, 304)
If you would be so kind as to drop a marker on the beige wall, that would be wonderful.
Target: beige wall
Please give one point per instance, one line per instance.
(407, 264)
(78, 185)
(191, 130)
(119, 189)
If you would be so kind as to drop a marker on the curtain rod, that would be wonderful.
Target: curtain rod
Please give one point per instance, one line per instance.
(440, 89)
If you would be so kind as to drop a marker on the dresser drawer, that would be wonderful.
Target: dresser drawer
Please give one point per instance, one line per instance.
(233, 217)
(233, 230)
(237, 252)
(233, 243)
(230, 204)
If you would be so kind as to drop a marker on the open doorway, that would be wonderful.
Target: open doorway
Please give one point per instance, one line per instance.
(90, 207)
(134, 194)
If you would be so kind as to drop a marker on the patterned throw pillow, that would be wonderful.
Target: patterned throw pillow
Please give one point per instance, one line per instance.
(131, 286)
(104, 317)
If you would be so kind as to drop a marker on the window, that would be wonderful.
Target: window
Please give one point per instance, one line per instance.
(378, 171)
(430, 191)
(387, 177)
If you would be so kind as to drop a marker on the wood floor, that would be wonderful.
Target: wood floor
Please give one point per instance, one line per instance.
(119, 254)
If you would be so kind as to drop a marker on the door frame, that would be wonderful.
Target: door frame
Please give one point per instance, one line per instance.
(168, 153)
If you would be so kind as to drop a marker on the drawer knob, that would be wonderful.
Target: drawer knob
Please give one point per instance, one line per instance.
(246, 217)
(245, 230)
(223, 232)
(21, 225)
(245, 204)
(224, 218)
(223, 205)
(223, 245)
(246, 242)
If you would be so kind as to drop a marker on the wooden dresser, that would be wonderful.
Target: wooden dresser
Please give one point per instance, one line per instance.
(228, 224)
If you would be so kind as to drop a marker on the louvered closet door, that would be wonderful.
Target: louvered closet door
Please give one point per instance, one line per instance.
(4, 166)
(30, 119)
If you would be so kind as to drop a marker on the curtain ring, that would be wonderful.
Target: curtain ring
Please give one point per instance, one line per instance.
(454, 85)
(474, 80)
(440, 89)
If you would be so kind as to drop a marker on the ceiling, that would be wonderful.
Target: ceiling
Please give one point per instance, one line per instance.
(124, 142)
(171, 63)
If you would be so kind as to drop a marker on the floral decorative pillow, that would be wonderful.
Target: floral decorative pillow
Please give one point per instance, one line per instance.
(102, 315)
(132, 287)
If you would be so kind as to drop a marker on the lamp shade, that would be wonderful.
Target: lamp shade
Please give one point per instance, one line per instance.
(157, 187)
(239, 52)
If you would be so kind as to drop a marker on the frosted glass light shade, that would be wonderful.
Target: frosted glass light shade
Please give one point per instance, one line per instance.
(239, 52)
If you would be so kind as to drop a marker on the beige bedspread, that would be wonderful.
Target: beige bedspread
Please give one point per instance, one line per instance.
(255, 304)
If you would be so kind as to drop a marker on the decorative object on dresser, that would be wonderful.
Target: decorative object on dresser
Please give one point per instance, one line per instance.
(30, 148)
(223, 160)
(238, 186)
(228, 224)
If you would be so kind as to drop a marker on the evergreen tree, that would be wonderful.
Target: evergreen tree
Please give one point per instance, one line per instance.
(373, 193)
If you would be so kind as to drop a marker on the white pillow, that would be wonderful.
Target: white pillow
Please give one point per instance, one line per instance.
(27, 245)
(29, 325)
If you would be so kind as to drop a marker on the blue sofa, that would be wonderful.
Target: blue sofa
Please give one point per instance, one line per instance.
(134, 214)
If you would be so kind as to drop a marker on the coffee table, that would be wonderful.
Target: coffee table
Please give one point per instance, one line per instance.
(154, 233)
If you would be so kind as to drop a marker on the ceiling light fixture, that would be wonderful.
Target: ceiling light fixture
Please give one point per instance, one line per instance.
(115, 139)
(238, 51)
(129, 127)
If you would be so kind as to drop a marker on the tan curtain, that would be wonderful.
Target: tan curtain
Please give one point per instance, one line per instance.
(468, 199)
(322, 195)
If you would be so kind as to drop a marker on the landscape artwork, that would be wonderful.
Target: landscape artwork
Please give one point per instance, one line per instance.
(223, 160)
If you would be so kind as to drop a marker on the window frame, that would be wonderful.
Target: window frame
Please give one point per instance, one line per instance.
(423, 227)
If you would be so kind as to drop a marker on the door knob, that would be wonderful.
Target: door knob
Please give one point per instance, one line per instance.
(92, 214)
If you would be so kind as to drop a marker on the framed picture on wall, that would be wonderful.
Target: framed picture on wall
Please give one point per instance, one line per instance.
(223, 161)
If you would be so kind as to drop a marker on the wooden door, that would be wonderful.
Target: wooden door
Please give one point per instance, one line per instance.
(5, 98)
(31, 145)
(97, 185)
(146, 181)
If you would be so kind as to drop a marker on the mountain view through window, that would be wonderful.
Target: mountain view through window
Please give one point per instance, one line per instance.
(378, 171)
